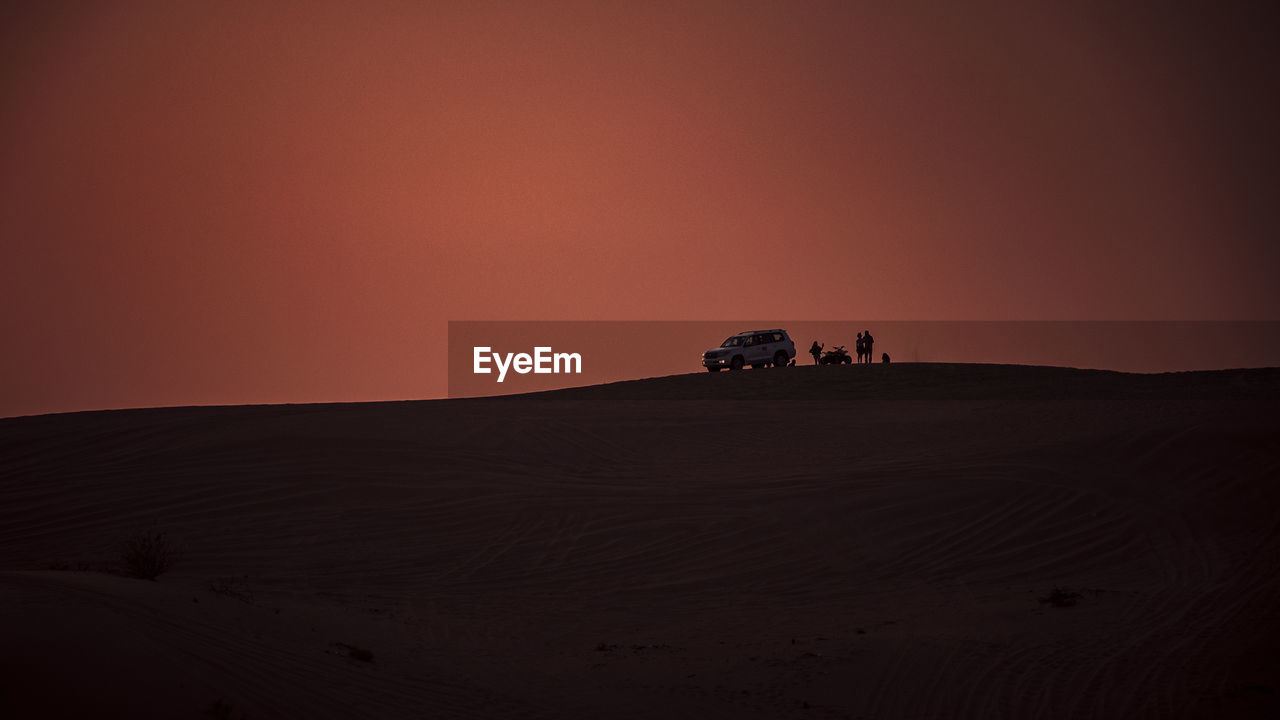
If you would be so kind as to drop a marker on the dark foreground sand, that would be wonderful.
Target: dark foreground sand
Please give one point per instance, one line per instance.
(805, 542)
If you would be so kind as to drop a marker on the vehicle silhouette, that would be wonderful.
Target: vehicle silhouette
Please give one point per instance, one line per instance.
(757, 348)
(836, 356)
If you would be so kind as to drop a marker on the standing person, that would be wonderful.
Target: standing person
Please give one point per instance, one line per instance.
(816, 351)
(858, 347)
(866, 344)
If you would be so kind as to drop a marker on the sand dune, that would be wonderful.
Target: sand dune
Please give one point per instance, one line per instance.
(803, 542)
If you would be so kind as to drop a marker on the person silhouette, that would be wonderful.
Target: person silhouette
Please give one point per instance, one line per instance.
(867, 340)
(816, 351)
(859, 347)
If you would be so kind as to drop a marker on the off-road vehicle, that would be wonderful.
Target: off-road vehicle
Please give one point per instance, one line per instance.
(757, 348)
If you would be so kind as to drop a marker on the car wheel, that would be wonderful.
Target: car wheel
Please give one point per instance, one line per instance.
(736, 363)
(780, 359)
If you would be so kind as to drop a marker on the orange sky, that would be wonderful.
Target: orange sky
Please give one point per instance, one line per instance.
(230, 202)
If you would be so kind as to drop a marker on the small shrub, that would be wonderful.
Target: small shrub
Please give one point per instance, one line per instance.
(357, 653)
(1062, 597)
(232, 587)
(221, 710)
(146, 554)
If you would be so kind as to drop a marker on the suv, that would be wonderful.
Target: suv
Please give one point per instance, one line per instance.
(758, 348)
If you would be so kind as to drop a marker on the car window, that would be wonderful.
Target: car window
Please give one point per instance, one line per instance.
(751, 340)
(777, 337)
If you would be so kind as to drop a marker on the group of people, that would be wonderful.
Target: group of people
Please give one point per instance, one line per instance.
(862, 347)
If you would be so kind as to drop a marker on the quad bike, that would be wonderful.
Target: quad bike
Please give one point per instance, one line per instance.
(836, 356)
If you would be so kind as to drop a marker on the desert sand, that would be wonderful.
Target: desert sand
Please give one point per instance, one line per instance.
(840, 542)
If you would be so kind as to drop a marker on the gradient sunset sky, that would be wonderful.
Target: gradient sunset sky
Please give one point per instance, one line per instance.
(228, 202)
